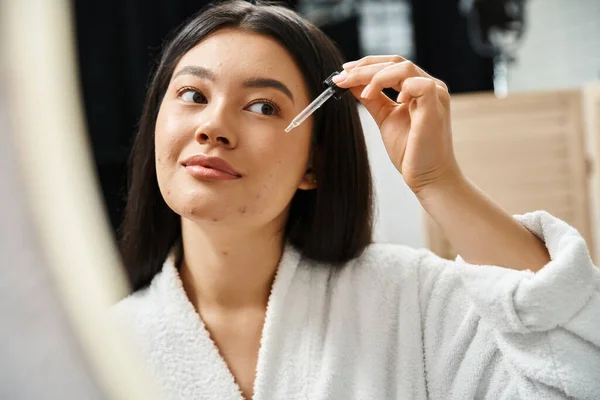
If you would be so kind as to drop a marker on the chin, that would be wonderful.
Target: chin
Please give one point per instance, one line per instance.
(197, 211)
(196, 205)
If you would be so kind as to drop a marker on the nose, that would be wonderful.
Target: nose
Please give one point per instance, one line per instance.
(214, 129)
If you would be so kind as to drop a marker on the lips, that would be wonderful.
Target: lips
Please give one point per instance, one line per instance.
(212, 163)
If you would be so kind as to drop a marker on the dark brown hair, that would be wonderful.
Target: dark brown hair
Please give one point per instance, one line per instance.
(332, 223)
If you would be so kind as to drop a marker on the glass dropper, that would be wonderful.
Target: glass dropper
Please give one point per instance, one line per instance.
(332, 90)
(312, 107)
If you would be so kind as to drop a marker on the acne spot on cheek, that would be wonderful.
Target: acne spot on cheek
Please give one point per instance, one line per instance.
(225, 253)
(243, 210)
(215, 219)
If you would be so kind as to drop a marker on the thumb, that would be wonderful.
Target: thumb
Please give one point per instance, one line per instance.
(378, 105)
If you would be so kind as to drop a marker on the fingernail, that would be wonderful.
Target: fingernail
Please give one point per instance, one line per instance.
(349, 64)
(340, 77)
(366, 91)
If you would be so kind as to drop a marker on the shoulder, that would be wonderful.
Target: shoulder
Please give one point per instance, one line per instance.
(385, 258)
(139, 300)
(391, 267)
(385, 255)
(135, 310)
(149, 303)
(382, 264)
(140, 310)
(371, 290)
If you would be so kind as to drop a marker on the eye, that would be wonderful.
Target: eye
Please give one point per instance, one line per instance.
(265, 108)
(192, 96)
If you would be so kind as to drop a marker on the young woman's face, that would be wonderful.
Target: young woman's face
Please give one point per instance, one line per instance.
(222, 155)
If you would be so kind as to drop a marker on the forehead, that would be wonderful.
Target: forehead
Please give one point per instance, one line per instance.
(231, 53)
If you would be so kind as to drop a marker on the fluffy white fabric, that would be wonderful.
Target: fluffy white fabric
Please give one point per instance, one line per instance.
(395, 323)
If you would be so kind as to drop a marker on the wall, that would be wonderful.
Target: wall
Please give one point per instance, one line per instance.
(561, 48)
(399, 216)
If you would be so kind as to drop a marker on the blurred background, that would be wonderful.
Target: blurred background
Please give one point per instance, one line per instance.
(525, 79)
(497, 46)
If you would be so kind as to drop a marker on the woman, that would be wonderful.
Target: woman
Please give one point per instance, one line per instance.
(250, 251)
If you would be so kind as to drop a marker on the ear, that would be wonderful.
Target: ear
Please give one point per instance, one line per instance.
(309, 181)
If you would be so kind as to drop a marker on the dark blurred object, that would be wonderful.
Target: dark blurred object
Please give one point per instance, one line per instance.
(442, 47)
(488, 20)
(338, 19)
(496, 28)
(345, 34)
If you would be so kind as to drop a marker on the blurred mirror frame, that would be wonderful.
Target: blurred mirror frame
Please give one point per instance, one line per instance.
(62, 269)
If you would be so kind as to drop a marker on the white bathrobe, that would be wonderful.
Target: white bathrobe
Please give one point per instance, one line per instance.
(395, 323)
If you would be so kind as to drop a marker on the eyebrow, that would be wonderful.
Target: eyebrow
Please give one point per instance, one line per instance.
(200, 72)
(269, 83)
(207, 74)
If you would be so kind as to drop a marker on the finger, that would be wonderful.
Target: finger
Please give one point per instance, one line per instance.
(442, 95)
(425, 90)
(379, 106)
(368, 60)
(438, 82)
(391, 77)
(360, 76)
(422, 72)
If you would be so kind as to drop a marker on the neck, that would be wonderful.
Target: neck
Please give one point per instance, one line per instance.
(229, 268)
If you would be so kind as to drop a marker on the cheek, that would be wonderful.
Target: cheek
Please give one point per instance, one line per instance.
(170, 137)
(282, 163)
(284, 150)
(169, 140)
(276, 183)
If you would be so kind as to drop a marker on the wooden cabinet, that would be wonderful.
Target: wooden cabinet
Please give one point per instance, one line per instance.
(528, 151)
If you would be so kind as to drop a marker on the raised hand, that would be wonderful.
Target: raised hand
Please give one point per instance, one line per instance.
(416, 129)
